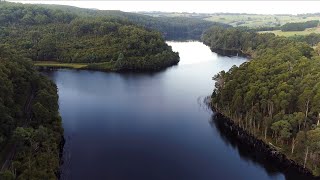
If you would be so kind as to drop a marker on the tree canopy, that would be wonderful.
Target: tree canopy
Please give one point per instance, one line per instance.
(275, 95)
(30, 125)
(299, 26)
(50, 34)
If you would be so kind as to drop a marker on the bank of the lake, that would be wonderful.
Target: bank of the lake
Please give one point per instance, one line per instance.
(258, 150)
(104, 66)
(231, 52)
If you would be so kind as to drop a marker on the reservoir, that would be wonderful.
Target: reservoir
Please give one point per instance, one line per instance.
(149, 126)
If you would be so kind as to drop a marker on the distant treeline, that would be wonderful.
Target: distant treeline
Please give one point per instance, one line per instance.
(181, 28)
(172, 28)
(267, 28)
(235, 39)
(299, 26)
(248, 41)
(312, 39)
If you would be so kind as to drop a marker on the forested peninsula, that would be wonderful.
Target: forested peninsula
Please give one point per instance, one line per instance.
(103, 42)
(274, 96)
(70, 37)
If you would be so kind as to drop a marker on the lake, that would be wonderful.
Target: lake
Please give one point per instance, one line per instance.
(149, 126)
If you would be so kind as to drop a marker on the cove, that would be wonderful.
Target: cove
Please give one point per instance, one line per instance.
(149, 125)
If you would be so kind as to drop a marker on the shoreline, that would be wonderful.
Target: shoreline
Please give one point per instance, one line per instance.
(61, 148)
(231, 52)
(259, 151)
(65, 66)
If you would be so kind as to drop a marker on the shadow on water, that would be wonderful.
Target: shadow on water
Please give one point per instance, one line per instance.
(253, 155)
(66, 160)
(230, 53)
(125, 74)
(203, 103)
(248, 153)
(245, 153)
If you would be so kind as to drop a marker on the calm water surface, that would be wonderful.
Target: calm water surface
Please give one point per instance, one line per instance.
(142, 126)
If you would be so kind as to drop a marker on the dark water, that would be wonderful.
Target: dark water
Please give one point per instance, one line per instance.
(149, 126)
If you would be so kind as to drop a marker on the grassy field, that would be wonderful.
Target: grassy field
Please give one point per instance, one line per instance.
(259, 20)
(292, 33)
(60, 65)
(250, 20)
(105, 66)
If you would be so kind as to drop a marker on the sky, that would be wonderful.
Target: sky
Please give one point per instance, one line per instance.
(256, 7)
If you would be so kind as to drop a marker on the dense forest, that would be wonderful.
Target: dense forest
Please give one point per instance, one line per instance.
(248, 41)
(312, 39)
(176, 28)
(275, 95)
(30, 125)
(299, 26)
(172, 28)
(235, 39)
(110, 43)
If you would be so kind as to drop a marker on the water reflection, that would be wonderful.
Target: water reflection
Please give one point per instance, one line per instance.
(245, 153)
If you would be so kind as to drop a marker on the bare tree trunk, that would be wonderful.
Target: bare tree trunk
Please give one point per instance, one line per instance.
(307, 110)
(305, 159)
(270, 109)
(307, 107)
(293, 144)
(246, 121)
(265, 132)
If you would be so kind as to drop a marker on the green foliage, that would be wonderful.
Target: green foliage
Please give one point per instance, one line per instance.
(177, 28)
(299, 26)
(29, 119)
(7, 175)
(312, 39)
(172, 28)
(282, 129)
(47, 34)
(274, 95)
(238, 39)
